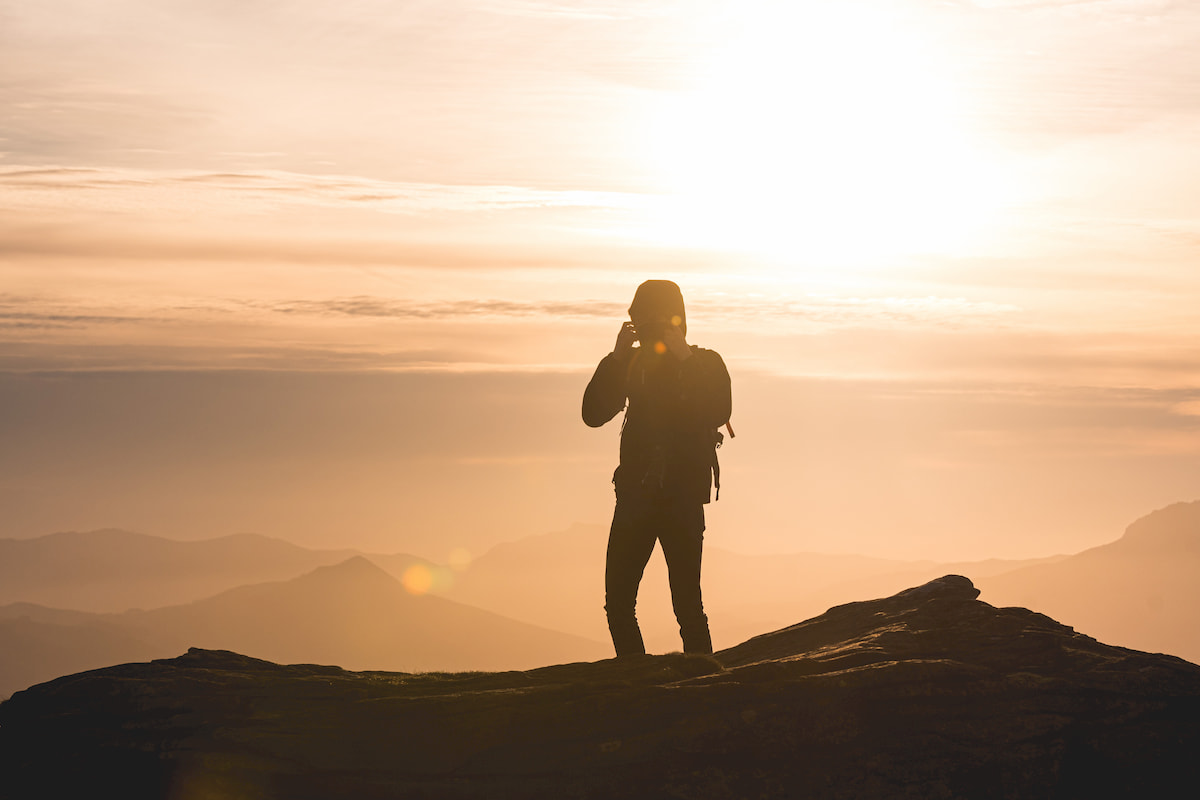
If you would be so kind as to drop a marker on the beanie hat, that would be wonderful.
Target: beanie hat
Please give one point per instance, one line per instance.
(658, 300)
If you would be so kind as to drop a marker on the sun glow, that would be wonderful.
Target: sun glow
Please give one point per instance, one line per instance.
(818, 131)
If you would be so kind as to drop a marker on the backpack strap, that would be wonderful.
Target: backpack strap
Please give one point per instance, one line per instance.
(637, 352)
(718, 438)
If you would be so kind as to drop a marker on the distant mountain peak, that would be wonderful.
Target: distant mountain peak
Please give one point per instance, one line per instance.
(357, 568)
(96, 535)
(1173, 527)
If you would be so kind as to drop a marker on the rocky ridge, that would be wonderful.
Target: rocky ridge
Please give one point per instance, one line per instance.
(928, 693)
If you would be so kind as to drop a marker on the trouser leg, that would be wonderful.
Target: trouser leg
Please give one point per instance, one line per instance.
(682, 537)
(630, 543)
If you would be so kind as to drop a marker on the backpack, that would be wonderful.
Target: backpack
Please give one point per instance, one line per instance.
(716, 438)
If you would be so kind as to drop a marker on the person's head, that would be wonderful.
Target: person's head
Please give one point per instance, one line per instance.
(656, 306)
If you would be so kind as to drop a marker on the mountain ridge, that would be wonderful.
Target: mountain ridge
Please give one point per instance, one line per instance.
(1141, 590)
(353, 613)
(114, 570)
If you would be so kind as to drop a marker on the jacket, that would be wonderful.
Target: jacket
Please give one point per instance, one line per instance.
(673, 411)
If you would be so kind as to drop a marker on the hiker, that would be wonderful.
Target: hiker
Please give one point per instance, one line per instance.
(678, 396)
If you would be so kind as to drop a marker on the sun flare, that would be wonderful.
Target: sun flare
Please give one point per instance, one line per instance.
(818, 132)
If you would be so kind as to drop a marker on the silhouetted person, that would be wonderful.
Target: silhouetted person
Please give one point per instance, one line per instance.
(678, 396)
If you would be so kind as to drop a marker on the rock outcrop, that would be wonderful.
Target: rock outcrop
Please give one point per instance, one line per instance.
(928, 693)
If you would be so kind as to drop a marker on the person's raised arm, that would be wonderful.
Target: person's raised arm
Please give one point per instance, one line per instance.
(604, 397)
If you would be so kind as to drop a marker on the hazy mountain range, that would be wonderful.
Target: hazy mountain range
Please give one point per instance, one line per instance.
(76, 601)
(1141, 591)
(349, 613)
(116, 570)
(557, 580)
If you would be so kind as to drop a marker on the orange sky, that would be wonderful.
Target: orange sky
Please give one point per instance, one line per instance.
(345, 267)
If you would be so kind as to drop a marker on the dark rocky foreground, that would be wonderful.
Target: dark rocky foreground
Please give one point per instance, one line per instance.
(929, 693)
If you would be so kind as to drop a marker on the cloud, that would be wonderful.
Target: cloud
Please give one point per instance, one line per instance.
(11, 319)
(824, 312)
(83, 357)
(583, 10)
(390, 308)
(279, 216)
(365, 332)
(1188, 408)
(127, 189)
(1138, 7)
(426, 91)
(19, 312)
(840, 311)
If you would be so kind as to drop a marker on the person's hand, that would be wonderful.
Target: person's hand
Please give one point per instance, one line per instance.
(625, 339)
(676, 343)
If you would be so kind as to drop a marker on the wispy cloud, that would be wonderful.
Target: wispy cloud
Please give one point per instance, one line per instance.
(1139, 7)
(34, 313)
(597, 10)
(33, 357)
(132, 189)
(813, 311)
(252, 216)
(1188, 408)
(390, 308)
(37, 321)
(843, 311)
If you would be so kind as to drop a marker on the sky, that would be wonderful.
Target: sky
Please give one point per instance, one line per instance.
(338, 272)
